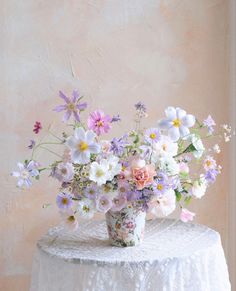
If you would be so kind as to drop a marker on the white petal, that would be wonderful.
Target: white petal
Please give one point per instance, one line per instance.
(184, 131)
(20, 183)
(81, 157)
(90, 136)
(170, 113)
(20, 166)
(71, 142)
(174, 133)
(15, 174)
(94, 148)
(79, 133)
(164, 123)
(180, 113)
(188, 120)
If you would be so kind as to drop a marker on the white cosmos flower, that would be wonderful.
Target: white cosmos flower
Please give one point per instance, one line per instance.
(165, 205)
(114, 166)
(164, 147)
(177, 122)
(82, 145)
(86, 208)
(199, 187)
(168, 165)
(99, 172)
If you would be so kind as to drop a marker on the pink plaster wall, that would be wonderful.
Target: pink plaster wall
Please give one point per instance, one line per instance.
(117, 52)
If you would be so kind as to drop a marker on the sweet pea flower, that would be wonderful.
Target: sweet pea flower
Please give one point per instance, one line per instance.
(199, 187)
(82, 145)
(99, 122)
(177, 123)
(211, 175)
(71, 106)
(186, 215)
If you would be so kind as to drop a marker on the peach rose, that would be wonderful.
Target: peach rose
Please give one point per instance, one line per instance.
(143, 176)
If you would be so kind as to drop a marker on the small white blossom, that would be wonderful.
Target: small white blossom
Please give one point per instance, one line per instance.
(86, 208)
(216, 148)
(199, 187)
(168, 165)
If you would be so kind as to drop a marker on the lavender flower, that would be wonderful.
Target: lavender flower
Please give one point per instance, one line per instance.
(118, 145)
(209, 123)
(140, 107)
(211, 175)
(64, 201)
(32, 144)
(115, 118)
(99, 122)
(71, 105)
(63, 172)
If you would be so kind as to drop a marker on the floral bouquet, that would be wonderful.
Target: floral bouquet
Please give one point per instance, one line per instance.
(145, 170)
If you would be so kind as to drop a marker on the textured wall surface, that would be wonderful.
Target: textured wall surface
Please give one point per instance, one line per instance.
(116, 52)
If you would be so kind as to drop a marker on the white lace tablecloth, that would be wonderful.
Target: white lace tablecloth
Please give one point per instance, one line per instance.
(173, 256)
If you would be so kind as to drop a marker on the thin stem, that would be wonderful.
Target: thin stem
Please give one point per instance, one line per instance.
(51, 152)
(56, 136)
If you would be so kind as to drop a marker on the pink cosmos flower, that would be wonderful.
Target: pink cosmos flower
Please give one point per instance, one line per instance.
(186, 215)
(99, 122)
(37, 127)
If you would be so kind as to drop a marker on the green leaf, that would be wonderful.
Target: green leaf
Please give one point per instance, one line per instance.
(178, 195)
(187, 200)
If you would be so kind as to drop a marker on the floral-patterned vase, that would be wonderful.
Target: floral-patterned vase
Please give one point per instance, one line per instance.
(126, 227)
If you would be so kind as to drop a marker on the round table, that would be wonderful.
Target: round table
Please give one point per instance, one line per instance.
(173, 256)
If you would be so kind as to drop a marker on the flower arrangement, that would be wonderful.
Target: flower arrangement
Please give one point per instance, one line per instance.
(148, 168)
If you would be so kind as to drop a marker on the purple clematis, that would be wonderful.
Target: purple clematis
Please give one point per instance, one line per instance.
(71, 106)
(25, 173)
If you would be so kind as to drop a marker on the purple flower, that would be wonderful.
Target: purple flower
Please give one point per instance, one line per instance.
(211, 175)
(160, 187)
(103, 203)
(152, 135)
(115, 118)
(118, 145)
(99, 122)
(25, 173)
(119, 202)
(209, 123)
(134, 195)
(91, 192)
(64, 201)
(32, 144)
(140, 107)
(71, 105)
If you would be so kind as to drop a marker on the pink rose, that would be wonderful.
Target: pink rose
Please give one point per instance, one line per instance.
(143, 176)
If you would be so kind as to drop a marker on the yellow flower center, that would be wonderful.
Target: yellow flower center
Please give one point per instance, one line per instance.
(153, 135)
(25, 174)
(86, 208)
(159, 187)
(99, 173)
(83, 146)
(64, 201)
(208, 163)
(100, 123)
(71, 106)
(176, 122)
(123, 168)
(91, 192)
